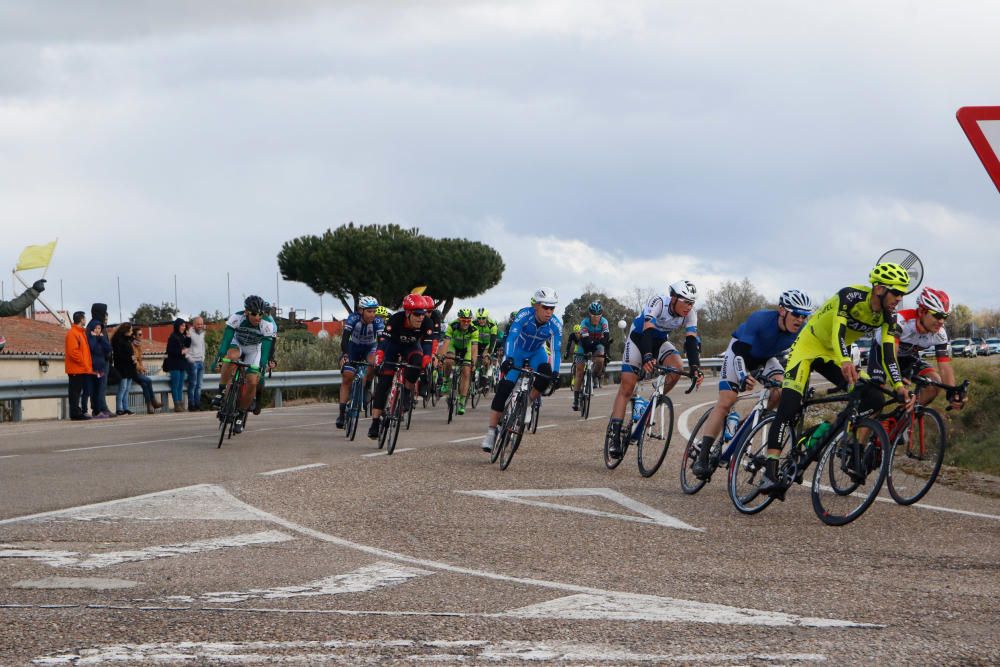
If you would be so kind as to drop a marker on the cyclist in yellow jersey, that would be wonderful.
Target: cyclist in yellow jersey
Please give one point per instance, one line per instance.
(823, 346)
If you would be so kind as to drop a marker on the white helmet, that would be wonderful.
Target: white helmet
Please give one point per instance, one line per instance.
(685, 289)
(545, 296)
(794, 299)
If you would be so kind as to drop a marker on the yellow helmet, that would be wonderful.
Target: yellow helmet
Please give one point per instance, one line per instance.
(891, 275)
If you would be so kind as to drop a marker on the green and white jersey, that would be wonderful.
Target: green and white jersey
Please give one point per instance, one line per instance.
(247, 335)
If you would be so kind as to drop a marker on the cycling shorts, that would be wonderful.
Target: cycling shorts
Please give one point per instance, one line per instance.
(632, 358)
(910, 367)
(357, 352)
(728, 377)
(249, 354)
(598, 352)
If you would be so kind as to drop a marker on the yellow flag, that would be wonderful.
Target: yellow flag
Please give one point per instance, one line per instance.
(35, 257)
(418, 290)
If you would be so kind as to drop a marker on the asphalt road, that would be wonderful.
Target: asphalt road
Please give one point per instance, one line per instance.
(135, 540)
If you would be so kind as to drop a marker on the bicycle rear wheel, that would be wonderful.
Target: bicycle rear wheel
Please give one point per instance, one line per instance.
(451, 399)
(503, 434)
(408, 406)
(916, 457)
(689, 483)
(610, 461)
(392, 433)
(838, 470)
(588, 390)
(654, 440)
(517, 432)
(746, 467)
(536, 409)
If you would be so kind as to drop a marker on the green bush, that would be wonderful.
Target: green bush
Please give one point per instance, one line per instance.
(974, 432)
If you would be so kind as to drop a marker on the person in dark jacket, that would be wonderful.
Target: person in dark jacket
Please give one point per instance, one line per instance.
(141, 378)
(100, 351)
(176, 362)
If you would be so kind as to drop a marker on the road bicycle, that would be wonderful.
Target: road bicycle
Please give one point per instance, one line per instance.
(851, 456)
(454, 384)
(230, 412)
(649, 423)
(356, 400)
(918, 442)
(398, 406)
(515, 418)
(730, 438)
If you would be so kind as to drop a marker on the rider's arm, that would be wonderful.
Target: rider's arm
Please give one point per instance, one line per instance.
(266, 350)
(838, 328)
(227, 339)
(889, 363)
(691, 349)
(556, 345)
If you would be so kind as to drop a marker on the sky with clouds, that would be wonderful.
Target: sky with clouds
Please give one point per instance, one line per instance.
(623, 144)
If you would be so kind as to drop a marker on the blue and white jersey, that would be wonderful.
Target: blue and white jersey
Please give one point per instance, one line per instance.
(525, 335)
(760, 331)
(361, 334)
(658, 312)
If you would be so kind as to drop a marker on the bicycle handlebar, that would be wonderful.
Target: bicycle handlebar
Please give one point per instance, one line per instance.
(663, 370)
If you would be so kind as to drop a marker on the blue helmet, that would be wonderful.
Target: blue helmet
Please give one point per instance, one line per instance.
(367, 302)
(596, 308)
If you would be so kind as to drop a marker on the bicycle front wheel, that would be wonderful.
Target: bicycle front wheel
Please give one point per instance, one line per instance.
(689, 483)
(228, 413)
(843, 466)
(916, 457)
(516, 431)
(654, 440)
(588, 391)
(536, 409)
(746, 467)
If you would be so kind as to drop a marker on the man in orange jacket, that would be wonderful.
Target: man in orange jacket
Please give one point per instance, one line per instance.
(79, 367)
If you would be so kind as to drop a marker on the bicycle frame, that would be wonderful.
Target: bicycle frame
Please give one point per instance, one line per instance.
(656, 387)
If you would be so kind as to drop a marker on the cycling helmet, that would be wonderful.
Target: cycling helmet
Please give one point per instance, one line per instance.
(413, 302)
(513, 316)
(482, 314)
(254, 304)
(366, 302)
(545, 296)
(891, 275)
(576, 328)
(796, 301)
(427, 301)
(684, 289)
(465, 313)
(934, 300)
(382, 312)
(596, 308)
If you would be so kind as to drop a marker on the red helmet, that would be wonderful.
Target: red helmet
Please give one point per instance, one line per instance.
(934, 300)
(413, 302)
(428, 302)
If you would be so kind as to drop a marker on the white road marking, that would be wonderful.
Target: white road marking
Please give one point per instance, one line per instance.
(295, 469)
(682, 420)
(95, 561)
(475, 437)
(133, 444)
(935, 508)
(650, 514)
(88, 583)
(547, 426)
(395, 451)
(371, 577)
(9, 456)
(172, 504)
(315, 652)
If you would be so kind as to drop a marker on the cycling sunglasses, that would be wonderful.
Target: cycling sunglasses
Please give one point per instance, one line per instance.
(418, 312)
(254, 313)
(938, 316)
(897, 292)
(799, 313)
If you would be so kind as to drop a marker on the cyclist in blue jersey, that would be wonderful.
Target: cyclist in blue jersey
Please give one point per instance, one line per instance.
(594, 334)
(647, 344)
(532, 328)
(756, 344)
(358, 343)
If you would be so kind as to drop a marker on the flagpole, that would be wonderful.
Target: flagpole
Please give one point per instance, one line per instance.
(40, 300)
(119, 279)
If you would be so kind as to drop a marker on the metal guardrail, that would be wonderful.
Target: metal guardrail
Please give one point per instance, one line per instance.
(17, 391)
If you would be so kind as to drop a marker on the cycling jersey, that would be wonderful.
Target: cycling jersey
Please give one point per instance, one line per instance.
(657, 311)
(356, 332)
(911, 341)
(592, 335)
(844, 318)
(462, 340)
(254, 342)
(527, 339)
(487, 335)
(758, 341)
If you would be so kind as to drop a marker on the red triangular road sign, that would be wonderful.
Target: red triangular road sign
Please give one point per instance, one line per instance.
(982, 127)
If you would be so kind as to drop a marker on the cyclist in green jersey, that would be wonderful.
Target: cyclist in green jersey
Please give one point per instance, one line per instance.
(461, 341)
(823, 346)
(487, 336)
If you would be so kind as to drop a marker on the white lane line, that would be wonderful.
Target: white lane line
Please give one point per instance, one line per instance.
(936, 508)
(682, 420)
(475, 437)
(547, 426)
(450, 651)
(9, 456)
(369, 578)
(108, 559)
(397, 451)
(133, 444)
(295, 469)
(598, 417)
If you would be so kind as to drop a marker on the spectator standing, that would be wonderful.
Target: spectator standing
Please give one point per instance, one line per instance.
(123, 361)
(79, 367)
(196, 362)
(176, 362)
(100, 354)
(141, 377)
(100, 351)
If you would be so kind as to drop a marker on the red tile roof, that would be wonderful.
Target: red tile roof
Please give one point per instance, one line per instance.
(26, 336)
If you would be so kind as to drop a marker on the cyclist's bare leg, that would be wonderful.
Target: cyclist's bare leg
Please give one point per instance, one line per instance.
(463, 385)
(930, 392)
(713, 426)
(673, 361)
(578, 367)
(347, 377)
(625, 391)
(249, 389)
(598, 365)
